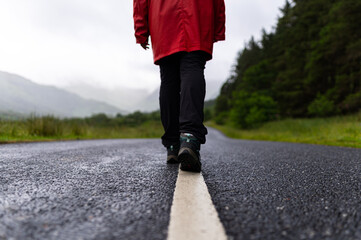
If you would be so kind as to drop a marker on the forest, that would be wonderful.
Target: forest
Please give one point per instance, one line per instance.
(309, 65)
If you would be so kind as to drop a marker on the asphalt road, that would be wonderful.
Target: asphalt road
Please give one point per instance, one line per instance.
(110, 189)
(269, 190)
(122, 189)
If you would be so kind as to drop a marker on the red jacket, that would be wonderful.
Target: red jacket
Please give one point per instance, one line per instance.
(179, 25)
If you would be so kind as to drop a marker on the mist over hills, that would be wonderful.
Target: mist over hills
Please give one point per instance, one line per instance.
(127, 99)
(132, 99)
(22, 96)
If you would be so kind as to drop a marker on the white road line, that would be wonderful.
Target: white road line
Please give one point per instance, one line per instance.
(193, 215)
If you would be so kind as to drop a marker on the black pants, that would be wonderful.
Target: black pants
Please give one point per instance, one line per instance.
(181, 96)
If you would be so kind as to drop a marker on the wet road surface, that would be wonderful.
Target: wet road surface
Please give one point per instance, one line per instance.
(122, 189)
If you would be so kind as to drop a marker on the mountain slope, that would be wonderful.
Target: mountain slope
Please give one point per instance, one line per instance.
(150, 102)
(122, 97)
(18, 94)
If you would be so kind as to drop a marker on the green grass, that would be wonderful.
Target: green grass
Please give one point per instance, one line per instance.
(336, 131)
(49, 129)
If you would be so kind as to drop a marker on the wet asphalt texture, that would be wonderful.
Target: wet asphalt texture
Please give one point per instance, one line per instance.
(269, 190)
(109, 189)
(122, 189)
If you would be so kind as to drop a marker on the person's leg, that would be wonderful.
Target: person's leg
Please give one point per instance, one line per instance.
(193, 90)
(169, 97)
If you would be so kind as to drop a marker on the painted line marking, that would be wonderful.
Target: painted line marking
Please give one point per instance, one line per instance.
(193, 215)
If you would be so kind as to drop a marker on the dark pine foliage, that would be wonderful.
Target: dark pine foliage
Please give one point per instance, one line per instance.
(309, 65)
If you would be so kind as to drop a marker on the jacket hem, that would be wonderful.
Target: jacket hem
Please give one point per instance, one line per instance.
(183, 49)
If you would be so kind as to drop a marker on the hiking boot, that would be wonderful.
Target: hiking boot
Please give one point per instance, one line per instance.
(172, 153)
(189, 156)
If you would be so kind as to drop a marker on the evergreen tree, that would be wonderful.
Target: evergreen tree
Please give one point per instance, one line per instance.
(310, 65)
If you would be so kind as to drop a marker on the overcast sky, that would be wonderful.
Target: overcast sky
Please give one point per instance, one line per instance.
(65, 42)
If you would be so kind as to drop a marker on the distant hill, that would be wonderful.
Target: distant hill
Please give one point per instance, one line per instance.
(121, 97)
(149, 103)
(20, 95)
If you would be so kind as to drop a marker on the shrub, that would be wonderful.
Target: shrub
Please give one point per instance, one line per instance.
(321, 107)
(221, 118)
(207, 114)
(352, 103)
(99, 119)
(44, 126)
(154, 116)
(77, 129)
(251, 110)
(221, 105)
(135, 119)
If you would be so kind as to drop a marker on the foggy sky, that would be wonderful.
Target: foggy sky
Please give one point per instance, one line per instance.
(65, 42)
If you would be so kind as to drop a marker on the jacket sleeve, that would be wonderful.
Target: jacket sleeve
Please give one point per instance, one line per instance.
(140, 16)
(220, 21)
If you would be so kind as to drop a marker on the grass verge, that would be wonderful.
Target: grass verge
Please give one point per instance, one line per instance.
(336, 131)
(52, 129)
(342, 131)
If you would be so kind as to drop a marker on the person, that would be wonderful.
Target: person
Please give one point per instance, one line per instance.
(182, 34)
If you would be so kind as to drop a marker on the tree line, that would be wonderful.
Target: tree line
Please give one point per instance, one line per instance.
(309, 65)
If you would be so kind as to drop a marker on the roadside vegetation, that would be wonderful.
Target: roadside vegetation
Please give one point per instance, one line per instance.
(300, 82)
(100, 126)
(308, 66)
(335, 131)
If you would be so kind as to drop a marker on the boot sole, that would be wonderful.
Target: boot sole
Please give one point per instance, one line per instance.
(189, 160)
(172, 159)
